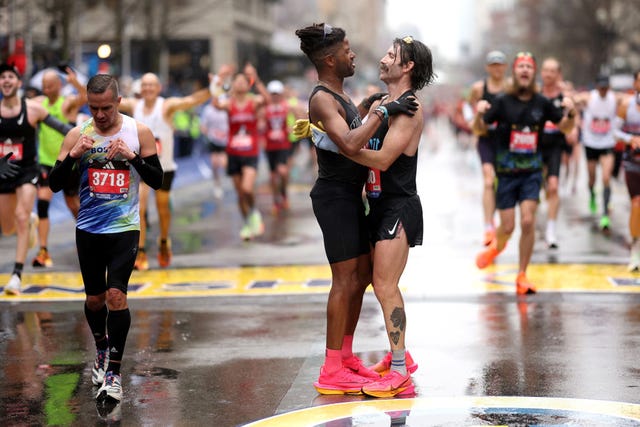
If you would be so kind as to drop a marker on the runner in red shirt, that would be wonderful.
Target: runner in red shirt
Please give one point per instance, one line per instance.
(243, 148)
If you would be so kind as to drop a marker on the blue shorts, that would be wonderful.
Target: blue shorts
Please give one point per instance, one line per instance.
(515, 188)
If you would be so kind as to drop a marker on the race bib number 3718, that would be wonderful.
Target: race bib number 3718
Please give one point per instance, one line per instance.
(109, 180)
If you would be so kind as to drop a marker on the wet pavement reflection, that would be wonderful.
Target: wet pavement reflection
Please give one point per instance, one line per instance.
(228, 362)
(235, 359)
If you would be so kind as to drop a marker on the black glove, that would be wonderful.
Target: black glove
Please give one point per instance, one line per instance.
(367, 102)
(402, 106)
(8, 169)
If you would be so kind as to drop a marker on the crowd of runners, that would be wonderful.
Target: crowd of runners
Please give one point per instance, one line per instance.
(529, 139)
(526, 161)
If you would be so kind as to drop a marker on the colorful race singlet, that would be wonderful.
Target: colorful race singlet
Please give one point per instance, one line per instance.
(519, 131)
(108, 188)
(599, 114)
(276, 117)
(49, 139)
(161, 130)
(243, 129)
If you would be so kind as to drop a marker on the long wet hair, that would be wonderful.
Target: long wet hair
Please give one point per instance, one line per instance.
(319, 40)
(414, 50)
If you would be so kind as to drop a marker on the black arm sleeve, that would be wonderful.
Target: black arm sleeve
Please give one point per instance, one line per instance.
(60, 173)
(149, 169)
(57, 125)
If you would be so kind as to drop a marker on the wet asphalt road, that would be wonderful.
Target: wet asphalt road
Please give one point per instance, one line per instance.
(227, 361)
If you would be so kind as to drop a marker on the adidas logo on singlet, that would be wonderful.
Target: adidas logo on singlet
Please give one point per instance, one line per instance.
(108, 165)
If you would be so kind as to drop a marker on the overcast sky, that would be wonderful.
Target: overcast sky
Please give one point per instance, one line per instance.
(442, 24)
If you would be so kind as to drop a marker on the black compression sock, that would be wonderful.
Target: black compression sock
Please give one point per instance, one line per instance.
(17, 269)
(97, 321)
(118, 323)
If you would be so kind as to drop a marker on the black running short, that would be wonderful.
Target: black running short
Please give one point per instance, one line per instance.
(339, 209)
(113, 253)
(278, 157)
(236, 163)
(486, 150)
(388, 214)
(215, 146)
(71, 186)
(551, 150)
(594, 154)
(632, 178)
(27, 175)
(167, 180)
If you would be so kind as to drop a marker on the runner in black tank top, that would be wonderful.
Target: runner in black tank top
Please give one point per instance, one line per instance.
(19, 136)
(396, 196)
(337, 199)
(488, 89)
(395, 217)
(19, 118)
(333, 166)
(552, 146)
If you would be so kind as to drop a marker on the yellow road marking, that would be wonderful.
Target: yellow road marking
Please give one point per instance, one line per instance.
(280, 280)
(318, 415)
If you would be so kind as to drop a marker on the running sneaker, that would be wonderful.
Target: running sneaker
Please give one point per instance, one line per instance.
(489, 235)
(593, 206)
(634, 257)
(142, 263)
(551, 239)
(109, 412)
(255, 223)
(486, 257)
(605, 222)
(164, 253)
(99, 367)
(245, 232)
(43, 259)
(111, 387)
(392, 384)
(384, 366)
(218, 191)
(13, 286)
(343, 381)
(33, 229)
(523, 285)
(356, 366)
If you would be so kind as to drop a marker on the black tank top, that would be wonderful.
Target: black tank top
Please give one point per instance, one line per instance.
(18, 132)
(490, 98)
(333, 166)
(400, 178)
(551, 134)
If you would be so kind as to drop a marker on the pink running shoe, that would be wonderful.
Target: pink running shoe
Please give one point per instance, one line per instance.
(343, 381)
(355, 364)
(384, 366)
(392, 384)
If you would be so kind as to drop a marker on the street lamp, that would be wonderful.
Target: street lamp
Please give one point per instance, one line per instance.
(104, 51)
